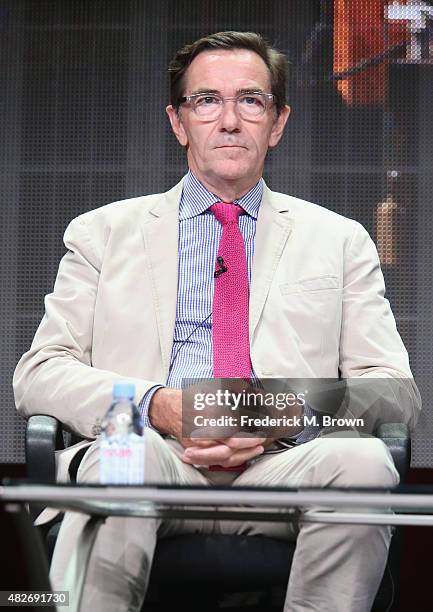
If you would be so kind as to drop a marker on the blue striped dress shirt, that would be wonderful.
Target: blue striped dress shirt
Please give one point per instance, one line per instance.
(199, 236)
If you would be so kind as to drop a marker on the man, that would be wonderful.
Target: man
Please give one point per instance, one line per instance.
(133, 299)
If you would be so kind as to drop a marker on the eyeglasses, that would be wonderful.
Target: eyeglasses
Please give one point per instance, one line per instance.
(209, 106)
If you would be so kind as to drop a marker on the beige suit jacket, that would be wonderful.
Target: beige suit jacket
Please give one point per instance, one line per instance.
(317, 307)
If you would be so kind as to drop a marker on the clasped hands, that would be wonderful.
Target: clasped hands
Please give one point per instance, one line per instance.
(226, 452)
(165, 414)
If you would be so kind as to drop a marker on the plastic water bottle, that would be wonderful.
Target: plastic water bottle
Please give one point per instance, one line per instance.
(122, 441)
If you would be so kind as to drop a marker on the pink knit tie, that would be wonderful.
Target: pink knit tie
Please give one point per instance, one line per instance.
(231, 347)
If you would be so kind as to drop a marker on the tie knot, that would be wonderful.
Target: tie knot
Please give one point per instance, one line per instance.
(226, 212)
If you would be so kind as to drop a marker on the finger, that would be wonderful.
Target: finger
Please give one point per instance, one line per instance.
(205, 443)
(212, 433)
(238, 443)
(189, 442)
(220, 455)
(207, 456)
(244, 455)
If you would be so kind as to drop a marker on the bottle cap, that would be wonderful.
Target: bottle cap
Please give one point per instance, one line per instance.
(124, 390)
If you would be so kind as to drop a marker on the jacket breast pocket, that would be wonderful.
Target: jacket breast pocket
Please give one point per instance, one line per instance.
(313, 284)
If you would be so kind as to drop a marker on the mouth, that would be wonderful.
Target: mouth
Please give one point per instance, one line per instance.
(231, 147)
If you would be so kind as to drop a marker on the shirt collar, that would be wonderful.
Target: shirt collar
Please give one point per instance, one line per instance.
(196, 198)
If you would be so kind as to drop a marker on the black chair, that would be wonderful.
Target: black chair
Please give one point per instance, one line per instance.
(24, 566)
(230, 572)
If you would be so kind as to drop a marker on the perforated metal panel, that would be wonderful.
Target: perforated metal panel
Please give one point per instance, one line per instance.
(84, 87)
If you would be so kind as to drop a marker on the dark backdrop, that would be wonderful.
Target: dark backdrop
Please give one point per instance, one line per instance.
(84, 86)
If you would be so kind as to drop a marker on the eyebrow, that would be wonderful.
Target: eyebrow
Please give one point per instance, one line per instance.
(238, 91)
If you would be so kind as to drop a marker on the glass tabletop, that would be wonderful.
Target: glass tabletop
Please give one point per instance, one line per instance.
(405, 504)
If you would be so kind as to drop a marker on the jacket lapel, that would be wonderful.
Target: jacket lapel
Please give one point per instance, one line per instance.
(160, 229)
(274, 226)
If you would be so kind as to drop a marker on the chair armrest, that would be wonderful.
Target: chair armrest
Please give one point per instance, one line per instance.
(43, 437)
(396, 436)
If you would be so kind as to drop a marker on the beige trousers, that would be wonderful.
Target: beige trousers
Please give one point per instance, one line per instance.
(336, 568)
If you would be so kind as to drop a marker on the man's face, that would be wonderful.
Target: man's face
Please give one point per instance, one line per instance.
(229, 148)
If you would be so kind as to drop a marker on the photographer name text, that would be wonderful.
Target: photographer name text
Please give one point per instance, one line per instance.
(283, 421)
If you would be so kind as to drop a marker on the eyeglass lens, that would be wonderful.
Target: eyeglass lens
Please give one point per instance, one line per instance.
(249, 105)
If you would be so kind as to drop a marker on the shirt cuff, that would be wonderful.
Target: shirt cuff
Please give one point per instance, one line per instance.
(144, 404)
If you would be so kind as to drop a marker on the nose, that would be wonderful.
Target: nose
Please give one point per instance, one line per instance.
(229, 119)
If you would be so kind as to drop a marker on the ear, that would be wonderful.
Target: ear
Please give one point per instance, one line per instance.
(278, 127)
(176, 125)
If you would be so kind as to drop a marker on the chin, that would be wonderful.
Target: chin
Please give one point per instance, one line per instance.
(230, 171)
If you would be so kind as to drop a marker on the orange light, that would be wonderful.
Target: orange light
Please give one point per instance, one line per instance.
(359, 34)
